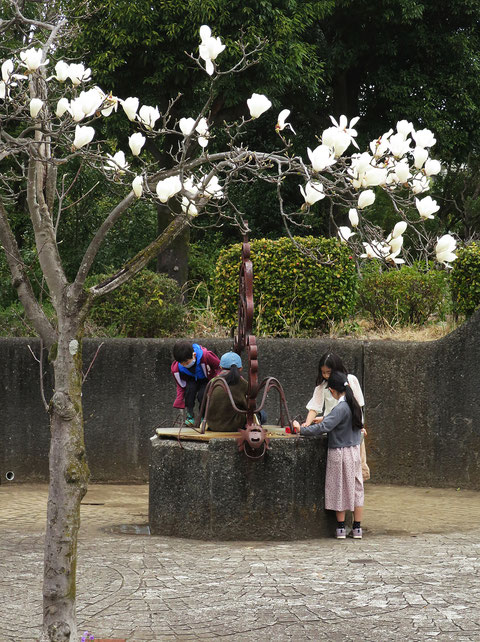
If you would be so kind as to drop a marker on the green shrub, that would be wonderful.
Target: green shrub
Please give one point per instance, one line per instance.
(465, 280)
(293, 289)
(147, 306)
(409, 295)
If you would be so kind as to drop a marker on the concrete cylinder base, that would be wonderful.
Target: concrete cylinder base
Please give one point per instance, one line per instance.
(208, 490)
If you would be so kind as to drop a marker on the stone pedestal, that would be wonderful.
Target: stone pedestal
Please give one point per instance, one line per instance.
(208, 490)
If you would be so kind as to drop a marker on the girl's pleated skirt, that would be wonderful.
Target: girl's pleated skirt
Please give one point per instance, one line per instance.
(343, 481)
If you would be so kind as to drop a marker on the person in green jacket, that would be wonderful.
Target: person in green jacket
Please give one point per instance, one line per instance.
(221, 415)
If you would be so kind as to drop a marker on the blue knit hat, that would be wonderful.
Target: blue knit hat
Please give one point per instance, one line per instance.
(230, 359)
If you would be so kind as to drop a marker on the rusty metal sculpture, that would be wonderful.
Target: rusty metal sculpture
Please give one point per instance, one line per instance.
(253, 440)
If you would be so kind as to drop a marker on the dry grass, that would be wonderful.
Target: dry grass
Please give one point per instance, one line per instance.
(366, 330)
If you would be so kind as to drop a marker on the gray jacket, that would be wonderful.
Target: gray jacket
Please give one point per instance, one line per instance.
(338, 425)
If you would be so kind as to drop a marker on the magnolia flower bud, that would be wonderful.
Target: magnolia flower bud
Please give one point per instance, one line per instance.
(136, 142)
(432, 167)
(353, 217)
(366, 198)
(35, 106)
(137, 186)
(130, 106)
(399, 229)
(62, 107)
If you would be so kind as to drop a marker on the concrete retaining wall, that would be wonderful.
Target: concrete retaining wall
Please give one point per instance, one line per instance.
(422, 400)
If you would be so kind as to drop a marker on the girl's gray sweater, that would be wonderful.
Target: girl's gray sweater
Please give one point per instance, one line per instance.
(338, 425)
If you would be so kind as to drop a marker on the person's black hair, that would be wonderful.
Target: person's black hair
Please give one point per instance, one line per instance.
(232, 376)
(182, 351)
(332, 361)
(339, 382)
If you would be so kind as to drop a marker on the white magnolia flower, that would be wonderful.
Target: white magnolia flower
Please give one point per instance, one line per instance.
(396, 244)
(345, 127)
(402, 171)
(426, 207)
(281, 121)
(432, 167)
(32, 59)
(117, 163)
(148, 116)
(379, 147)
(398, 145)
(137, 186)
(186, 125)
(424, 138)
(420, 155)
(168, 188)
(202, 141)
(344, 233)
(399, 229)
(257, 104)
(366, 198)
(374, 176)
(76, 110)
(445, 248)
(130, 106)
(321, 157)
(3, 90)
(202, 127)
(62, 106)
(188, 207)
(78, 73)
(420, 183)
(209, 48)
(376, 250)
(189, 186)
(312, 192)
(353, 217)
(213, 189)
(337, 139)
(110, 103)
(62, 71)
(136, 142)
(404, 128)
(35, 106)
(83, 136)
(362, 162)
(7, 70)
(91, 100)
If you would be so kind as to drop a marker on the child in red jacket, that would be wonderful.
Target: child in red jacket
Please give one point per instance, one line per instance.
(193, 368)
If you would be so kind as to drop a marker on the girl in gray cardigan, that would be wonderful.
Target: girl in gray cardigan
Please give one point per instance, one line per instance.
(343, 481)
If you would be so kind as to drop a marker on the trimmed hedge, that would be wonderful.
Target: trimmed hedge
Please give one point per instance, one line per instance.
(293, 290)
(147, 306)
(465, 280)
(404, 296)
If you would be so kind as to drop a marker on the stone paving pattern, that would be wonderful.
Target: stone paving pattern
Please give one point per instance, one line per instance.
(414, 576)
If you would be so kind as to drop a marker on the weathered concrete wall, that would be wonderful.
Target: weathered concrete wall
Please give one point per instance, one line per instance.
(208, 491)
(423, 403)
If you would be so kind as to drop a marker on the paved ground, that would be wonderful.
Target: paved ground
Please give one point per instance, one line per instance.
(414, 576)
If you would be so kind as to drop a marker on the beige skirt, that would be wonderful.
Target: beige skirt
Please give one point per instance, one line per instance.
(343, 481)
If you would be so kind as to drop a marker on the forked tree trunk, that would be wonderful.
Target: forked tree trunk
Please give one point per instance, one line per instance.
(68, 484)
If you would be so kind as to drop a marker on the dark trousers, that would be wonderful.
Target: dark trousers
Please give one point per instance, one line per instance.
(194, 389)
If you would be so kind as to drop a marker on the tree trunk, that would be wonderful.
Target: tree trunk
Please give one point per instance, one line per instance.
(173, 261)
(68, 484)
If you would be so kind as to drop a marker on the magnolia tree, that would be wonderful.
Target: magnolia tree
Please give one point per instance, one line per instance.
(50, 114)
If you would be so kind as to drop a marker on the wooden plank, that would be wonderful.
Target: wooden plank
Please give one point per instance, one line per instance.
(189, 434)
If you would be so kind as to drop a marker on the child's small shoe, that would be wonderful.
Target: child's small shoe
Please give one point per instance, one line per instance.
(356, 533)
(340, 533)
(190, 420)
